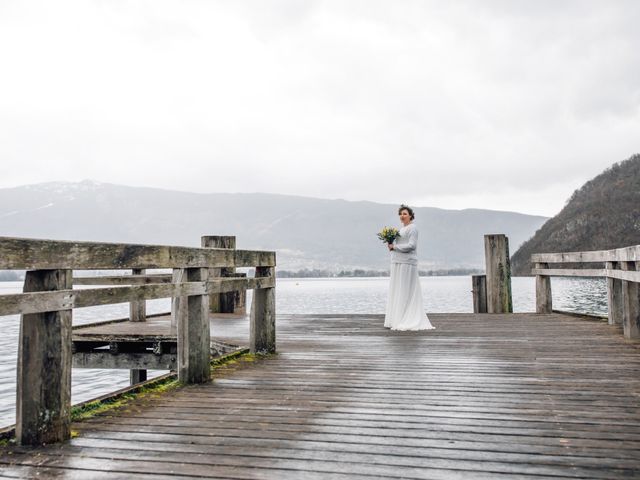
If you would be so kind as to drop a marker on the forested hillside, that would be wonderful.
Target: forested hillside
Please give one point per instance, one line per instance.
(603, 214)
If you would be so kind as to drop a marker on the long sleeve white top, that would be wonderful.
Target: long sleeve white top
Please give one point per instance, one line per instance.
(405, 247)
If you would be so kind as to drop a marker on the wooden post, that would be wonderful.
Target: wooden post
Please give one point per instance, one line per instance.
(194, 335)
(43, 400)
(178, 277)
(544, 302)
(479, 290)
(138, 308)
(631, 301)
(137, 313)
(614, 296)
(498, 269)
(226, 302)
(262, 335)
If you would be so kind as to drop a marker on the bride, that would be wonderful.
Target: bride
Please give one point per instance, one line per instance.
(404, 305)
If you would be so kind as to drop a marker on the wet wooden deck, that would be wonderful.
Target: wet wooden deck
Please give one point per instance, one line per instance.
(483, 396)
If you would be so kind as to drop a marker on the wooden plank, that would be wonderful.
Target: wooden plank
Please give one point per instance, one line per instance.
(498, 270)
(568, 272)
(626, 254)
(32, 254)
(138, 361)
(123, 279)
(194, 335)
(514, 396)
(262, 336)
(544, 299)
(253, 258)
(479, 292)
(138, 307)
(631, 303)
(43, 402)
(615, 301)
(631, 276)
(69, 299)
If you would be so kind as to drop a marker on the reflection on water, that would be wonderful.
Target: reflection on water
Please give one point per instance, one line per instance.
(584, 295)
(308, 295)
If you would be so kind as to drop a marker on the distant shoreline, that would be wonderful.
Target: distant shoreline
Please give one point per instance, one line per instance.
(361, 273)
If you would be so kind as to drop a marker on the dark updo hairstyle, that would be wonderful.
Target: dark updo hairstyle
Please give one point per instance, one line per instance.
(408, 209)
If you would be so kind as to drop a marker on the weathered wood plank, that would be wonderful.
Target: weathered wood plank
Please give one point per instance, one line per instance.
(138, 307)
(544, 299)
(36, 254)
(146, 361)
(262, 336)
(615, 299)
(569, 272)
(123, 279)
(483, 396)
(43, 403)
(498, 270)
(225, 302)
(69, 299)
(631, 303)
(194, 335)
(479, 292)
(626, 254)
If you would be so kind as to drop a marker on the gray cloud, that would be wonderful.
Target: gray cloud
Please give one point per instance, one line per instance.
(497, 104)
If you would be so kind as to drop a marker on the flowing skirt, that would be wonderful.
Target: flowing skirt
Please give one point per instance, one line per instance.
(404, 305)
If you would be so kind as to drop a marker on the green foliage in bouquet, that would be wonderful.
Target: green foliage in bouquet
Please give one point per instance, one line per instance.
(388, 234)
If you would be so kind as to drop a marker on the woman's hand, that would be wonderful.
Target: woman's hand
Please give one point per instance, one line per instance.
(390, 245)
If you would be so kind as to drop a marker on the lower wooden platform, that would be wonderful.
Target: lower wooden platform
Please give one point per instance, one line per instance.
(519, 396)
(121, 344)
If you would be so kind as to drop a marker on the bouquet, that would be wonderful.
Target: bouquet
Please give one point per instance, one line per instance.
(388, 234)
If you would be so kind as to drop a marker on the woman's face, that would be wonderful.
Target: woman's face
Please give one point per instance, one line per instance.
(405, 218)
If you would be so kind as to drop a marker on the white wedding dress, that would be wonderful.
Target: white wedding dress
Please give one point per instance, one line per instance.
(405, 309)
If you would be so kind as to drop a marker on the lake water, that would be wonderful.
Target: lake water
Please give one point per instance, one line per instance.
(308, 295)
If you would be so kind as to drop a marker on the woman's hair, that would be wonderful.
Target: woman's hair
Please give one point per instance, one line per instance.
(408, 209)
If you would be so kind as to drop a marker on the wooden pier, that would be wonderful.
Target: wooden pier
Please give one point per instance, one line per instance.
(481, 397)
(484, 396)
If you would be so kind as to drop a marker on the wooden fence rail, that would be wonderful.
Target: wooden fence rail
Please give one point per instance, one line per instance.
(621, 268)
(45, 347)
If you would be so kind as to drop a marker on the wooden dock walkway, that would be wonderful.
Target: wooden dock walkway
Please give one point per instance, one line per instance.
(481, 397)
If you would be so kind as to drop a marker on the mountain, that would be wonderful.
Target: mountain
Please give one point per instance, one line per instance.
(603, 214)
(306, 232)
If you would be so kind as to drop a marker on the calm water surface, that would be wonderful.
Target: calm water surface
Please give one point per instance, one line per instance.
(308, 295)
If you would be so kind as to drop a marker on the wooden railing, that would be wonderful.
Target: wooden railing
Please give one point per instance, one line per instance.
(45, 347)
(621, 268)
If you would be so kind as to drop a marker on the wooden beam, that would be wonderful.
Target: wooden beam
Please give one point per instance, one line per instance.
(262, 334)
(631, 276)
(140, 361)
(631, 303)
(479, 291)
(218, 241)
(43, 401)
(544, 301)
(625, 254)
(615, 301)
(123, 279)
(194, 336)
(23, 303)
(32, 254)
(568, 272)
(138, 307)
(498, 268)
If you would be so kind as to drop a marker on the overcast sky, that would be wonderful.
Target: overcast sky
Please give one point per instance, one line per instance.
(507, 105)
